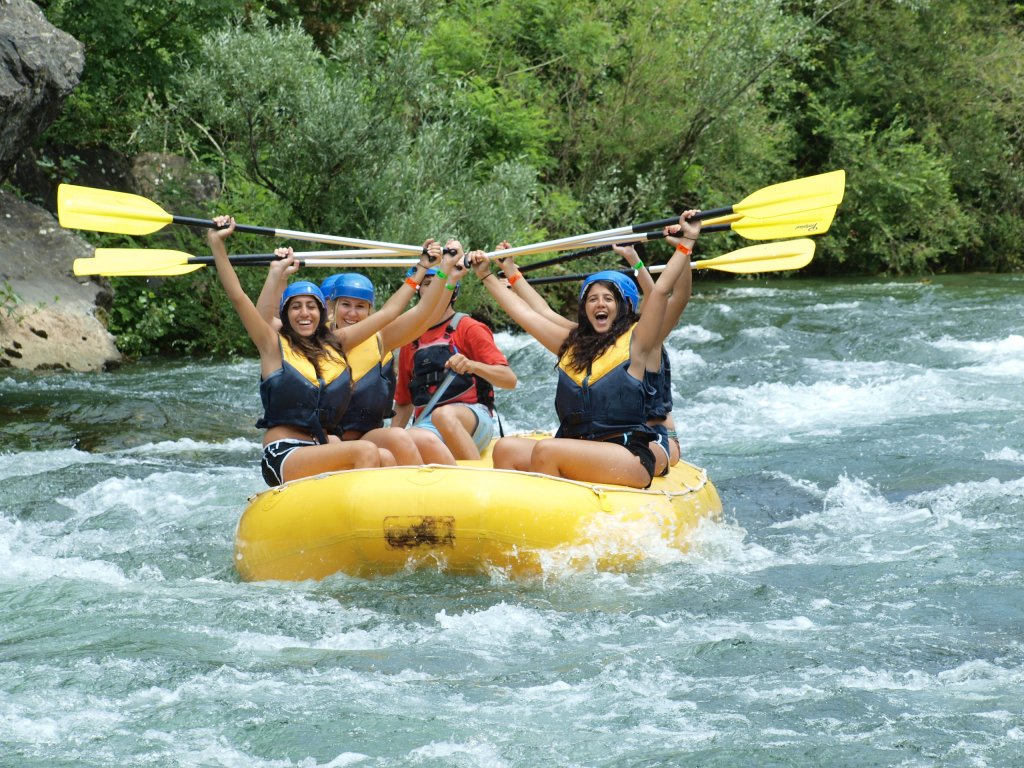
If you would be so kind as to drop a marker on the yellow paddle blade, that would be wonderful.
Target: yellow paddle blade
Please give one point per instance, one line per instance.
(106, 269)
(136, 260)
(825, 189)
(102, 210)
(814, 222)
(768, 257)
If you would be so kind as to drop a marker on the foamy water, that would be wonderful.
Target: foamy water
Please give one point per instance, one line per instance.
(860, 603)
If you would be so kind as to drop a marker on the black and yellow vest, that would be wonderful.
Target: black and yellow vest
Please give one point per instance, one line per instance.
(660, 404)
(373, 389)
(295, 396)
(604, 400)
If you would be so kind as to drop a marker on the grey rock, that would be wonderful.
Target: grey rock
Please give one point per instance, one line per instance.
(39, 67)
(48, 317)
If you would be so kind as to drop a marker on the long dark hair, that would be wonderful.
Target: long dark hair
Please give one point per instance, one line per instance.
(313, 348)
(583, 343)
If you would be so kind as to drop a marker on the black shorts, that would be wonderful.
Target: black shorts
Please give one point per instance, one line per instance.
(661, 440)
(637, 443)
(274, 455)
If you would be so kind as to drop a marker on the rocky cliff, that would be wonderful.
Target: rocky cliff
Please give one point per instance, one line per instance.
(48, 318)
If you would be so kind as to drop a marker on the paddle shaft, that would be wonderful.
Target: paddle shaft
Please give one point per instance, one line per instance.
(770, 257)
(394, 248)
(595, 250)
(262, 260)
(311, 258)
(585, 275)
(572, 278)
(609, 237)
(425, 413)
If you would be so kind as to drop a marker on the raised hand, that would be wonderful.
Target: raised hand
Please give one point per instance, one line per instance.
(225, 228)
(480, 263)
(285, 265)
(431, 252)
(686, 229)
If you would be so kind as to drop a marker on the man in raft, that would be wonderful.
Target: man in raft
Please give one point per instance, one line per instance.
(458, 353)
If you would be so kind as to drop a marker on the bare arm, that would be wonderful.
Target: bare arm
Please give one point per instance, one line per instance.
(649, 333)
(263, 335)
(549, 333)
(277, 280)
(351, 336)
(527, 292)
(499, 375)
(677, 301)
(402, 414)
(674, 307)
(411, 324)
(643, 277)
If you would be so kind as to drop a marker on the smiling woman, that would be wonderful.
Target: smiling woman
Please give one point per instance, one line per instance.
(605, 361)
(305, 376)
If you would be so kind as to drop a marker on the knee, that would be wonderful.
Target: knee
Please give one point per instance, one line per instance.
(543, 455)
(404, 447)
(403, 439)
(512, 453)
(501, 454)
(386, 458)
(448, 422)
(444, 418)
(367, 454)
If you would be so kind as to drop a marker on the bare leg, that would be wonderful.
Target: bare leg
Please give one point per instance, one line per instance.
(430, 447)
(399, 442)
(673, 443)
(387, 458)
(513, 453)
(589, 461)
(456, 423)
(315, 459)
(661, 460)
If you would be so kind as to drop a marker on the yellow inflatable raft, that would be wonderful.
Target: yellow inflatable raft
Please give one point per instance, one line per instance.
(466, 519)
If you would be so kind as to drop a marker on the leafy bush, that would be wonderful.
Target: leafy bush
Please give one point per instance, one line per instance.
(486, 120)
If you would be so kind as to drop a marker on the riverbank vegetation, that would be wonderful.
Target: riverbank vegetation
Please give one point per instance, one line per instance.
(527, 119)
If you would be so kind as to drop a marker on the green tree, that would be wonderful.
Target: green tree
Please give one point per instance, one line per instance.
(133, 49)
(629, 109)
(924, 104)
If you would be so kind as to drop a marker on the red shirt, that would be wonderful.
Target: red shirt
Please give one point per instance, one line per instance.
(471, 338)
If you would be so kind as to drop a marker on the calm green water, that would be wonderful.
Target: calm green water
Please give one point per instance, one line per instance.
(862, 604)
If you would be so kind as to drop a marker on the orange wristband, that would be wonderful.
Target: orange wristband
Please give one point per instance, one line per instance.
(513, 278)
(412, 283)
(684, 250)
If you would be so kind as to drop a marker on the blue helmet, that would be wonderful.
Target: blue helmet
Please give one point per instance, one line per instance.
(624, 285)
(352, 286)
(326, 285)
(304, 288)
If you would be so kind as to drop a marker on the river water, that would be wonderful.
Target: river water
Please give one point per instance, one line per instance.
(860, 604)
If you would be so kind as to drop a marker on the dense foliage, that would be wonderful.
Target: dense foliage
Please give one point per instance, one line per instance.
(524, 119)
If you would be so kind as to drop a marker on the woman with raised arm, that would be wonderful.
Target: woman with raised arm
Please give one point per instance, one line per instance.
(305, 380)
(350, 299)
(603, 396)
(666, 444)
(659, 416)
